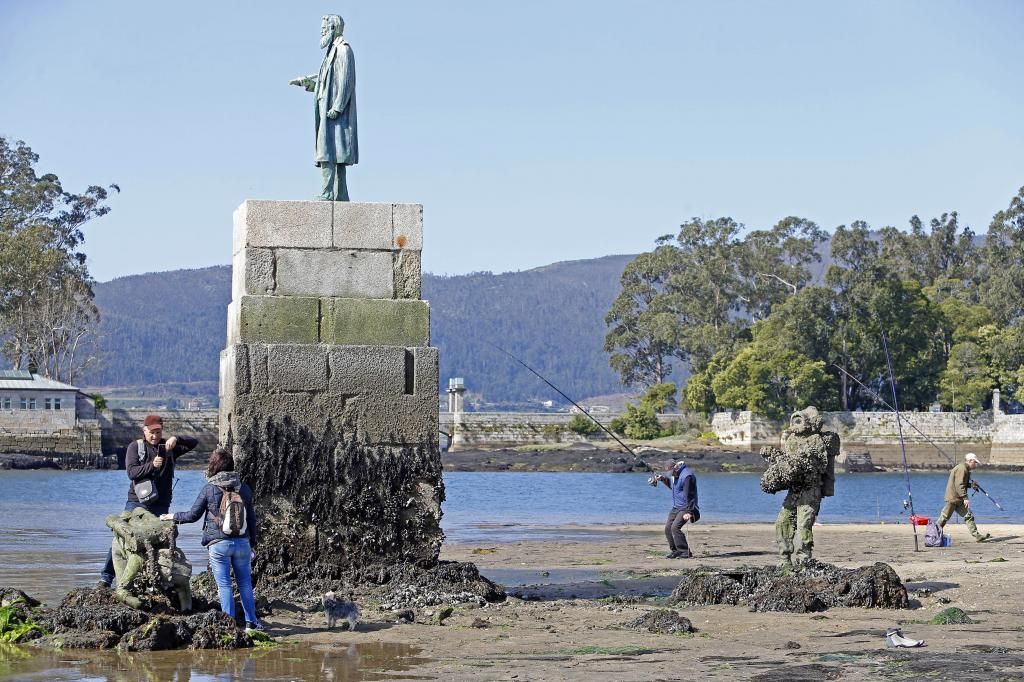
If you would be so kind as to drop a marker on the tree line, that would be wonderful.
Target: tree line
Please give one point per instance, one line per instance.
(759, 330)
(46, 292)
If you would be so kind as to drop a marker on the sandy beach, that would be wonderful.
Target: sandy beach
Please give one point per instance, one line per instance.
(573, 596)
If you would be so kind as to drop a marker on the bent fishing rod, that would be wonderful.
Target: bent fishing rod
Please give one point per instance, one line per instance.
(909, 423)
(561, 393)
(899, 426)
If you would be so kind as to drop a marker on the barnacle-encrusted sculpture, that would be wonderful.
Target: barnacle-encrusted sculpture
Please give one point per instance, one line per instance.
(147, 562)
(805, 466)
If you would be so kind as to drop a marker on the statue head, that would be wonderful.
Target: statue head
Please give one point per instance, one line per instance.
(331, 27)
(805, 422)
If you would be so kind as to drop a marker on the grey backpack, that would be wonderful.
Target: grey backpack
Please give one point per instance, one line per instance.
(933, 535)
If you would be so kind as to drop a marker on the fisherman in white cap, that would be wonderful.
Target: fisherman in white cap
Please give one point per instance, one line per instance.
(956, 496)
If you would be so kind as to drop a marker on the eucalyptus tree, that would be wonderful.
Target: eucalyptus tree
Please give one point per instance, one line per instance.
(46, 296)
(1002, 288)
(644, 334)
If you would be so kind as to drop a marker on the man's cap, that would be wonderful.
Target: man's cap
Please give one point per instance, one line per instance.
(679, 464)
(971, 457)
(153, 420)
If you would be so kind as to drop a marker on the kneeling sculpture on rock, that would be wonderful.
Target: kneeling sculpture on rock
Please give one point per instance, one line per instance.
(805, 466)
(147, 561)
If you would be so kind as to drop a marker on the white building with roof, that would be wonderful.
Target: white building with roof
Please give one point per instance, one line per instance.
(31, 403)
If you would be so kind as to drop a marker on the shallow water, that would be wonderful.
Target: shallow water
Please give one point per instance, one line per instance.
(334, 663)
(52, 536)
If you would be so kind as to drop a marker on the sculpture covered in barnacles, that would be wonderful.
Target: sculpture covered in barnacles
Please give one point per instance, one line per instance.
(147, 562)
(805, 466)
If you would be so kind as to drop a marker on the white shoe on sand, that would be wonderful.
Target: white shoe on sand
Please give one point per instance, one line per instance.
(894, 639)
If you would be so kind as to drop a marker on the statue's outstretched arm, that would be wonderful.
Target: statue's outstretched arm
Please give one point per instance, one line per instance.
(306, 82)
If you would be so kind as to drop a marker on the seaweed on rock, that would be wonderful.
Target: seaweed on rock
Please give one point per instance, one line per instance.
(815, 586)
(95, 619)
(330, 505)
(662, 622)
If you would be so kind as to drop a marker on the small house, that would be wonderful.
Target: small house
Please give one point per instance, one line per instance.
(29, 402)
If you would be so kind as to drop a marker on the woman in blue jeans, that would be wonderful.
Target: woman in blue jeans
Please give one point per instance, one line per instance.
(227, 552)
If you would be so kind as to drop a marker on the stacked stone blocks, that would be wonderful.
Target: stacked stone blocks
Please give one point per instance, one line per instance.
(325, 322)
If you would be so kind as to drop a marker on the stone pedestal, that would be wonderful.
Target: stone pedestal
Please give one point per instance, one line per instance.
(329, 386)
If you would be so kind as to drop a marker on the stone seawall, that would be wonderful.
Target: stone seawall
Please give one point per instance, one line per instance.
(997, 438)
(510, 429)
(74, 448)
(121, 427)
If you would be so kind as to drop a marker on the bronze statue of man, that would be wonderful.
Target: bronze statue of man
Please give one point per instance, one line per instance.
(337, 143)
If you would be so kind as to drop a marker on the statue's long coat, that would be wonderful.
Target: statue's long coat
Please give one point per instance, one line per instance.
(337, 140)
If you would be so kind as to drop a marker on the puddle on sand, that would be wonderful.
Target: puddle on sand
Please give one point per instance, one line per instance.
(323, 662)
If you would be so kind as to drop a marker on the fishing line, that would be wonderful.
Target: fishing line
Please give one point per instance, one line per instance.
(561, 393)
(909, 423)
(899, 426)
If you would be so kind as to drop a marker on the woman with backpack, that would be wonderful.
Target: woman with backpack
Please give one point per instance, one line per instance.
(229, 530)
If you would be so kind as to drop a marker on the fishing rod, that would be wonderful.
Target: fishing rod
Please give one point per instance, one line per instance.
(977, 486)
(561, 393)
(909, 423)
(885, 404)
(899, 426)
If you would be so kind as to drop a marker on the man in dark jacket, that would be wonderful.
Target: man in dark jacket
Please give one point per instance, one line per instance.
(150, 458)
(683, 485)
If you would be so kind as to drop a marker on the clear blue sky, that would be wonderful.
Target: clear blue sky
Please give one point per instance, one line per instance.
(531, 131)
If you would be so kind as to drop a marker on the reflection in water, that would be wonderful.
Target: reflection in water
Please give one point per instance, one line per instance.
(326, 663)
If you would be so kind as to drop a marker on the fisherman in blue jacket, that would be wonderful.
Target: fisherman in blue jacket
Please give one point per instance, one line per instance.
(683, 484)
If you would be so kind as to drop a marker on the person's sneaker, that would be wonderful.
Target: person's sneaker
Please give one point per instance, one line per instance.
(894, 639)
(672, 555)
(982, 538)
(683, 555)
(255, 627)
(102, 585)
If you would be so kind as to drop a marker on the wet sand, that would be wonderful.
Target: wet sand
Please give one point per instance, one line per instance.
(572, 596)
(567, 628)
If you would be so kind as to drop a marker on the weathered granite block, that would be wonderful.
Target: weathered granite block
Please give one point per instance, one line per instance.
(304, 224)
(234, 320)
(368, 322)
(259, 370)
(252, 272)
(362, 226)
(427, 372)
(311, 410)
(346, 273)
(297, 367)
(408, 277)
(367, 369)
(392, 419)
(407, 221)
(273, 319)
(234, 371)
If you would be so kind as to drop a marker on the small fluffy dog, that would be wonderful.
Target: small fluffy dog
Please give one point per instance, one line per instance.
(336, 609)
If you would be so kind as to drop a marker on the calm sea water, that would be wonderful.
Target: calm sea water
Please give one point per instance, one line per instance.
(52, 535)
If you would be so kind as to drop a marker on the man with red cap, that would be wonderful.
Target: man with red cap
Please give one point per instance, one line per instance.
(151, 460)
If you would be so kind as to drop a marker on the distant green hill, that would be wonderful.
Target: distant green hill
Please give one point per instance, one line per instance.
(169, 328)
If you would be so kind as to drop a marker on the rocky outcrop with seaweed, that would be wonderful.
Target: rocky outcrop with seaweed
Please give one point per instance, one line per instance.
(96, 619)
(814, 586)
